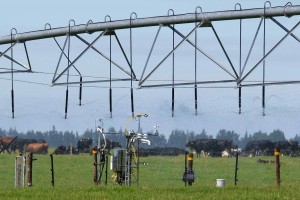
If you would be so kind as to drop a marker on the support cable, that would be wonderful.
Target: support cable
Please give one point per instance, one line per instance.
(240, 60)
(173, 62)
(110, 72)
(12, 74)
(264, 61)
(68, 58)
(196, 43)
(131, 64)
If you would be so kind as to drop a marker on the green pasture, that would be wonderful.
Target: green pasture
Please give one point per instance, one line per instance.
(160, 179)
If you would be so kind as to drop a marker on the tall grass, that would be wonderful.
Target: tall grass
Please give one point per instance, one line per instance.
(160, 179)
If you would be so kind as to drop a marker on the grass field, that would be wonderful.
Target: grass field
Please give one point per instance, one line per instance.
(160, 179)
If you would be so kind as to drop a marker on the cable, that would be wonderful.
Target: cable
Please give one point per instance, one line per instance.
(22, 81)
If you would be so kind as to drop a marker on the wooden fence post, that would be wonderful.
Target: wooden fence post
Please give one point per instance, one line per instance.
(277, 154)
(29, 169)
(19, 171)
(94, 151)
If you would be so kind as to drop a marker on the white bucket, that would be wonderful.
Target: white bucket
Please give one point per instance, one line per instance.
(220, 182)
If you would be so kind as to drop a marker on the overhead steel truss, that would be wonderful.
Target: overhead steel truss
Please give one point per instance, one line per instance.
(236, 74)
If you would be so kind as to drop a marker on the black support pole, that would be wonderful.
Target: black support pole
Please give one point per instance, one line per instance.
(185, 165)
(236, 168)
(106, 168)
(52, 170)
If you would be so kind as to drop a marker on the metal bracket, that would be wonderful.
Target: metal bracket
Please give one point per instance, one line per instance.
(288, 4)
(86, 26)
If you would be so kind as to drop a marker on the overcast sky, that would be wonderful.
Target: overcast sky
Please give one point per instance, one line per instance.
(38, 106)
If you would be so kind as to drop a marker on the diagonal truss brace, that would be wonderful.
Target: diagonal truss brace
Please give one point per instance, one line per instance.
(206, 54)
(170, 53)
(26, 68)
(267, 54)
(251, 48)
(185, 38)
(66, 56)
(76, 59)
(151, 50)
(90, 46)
(107, 57)
(285, 29)
(223, 48)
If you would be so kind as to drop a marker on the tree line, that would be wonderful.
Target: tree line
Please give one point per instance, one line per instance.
(177, 138)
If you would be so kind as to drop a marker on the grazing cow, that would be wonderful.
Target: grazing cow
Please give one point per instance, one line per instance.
(84, 145)
(226, 153)
(288, 148)
(63, 150)
(72, 150)
(161, 151)
(38, 148)
(18, 144)
(260, 148)
(60, 150)
(21, 143)
(212, 147)
(266, 147)
(41, 141)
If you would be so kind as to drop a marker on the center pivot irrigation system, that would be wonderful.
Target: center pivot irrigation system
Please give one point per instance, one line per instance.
(237, 74)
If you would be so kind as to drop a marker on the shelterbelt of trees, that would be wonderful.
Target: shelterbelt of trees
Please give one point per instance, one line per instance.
(177, 138)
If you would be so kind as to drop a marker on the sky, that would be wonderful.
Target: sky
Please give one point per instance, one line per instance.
(39, 106)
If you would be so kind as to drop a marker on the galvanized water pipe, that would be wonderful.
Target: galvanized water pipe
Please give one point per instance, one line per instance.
(287, 11)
